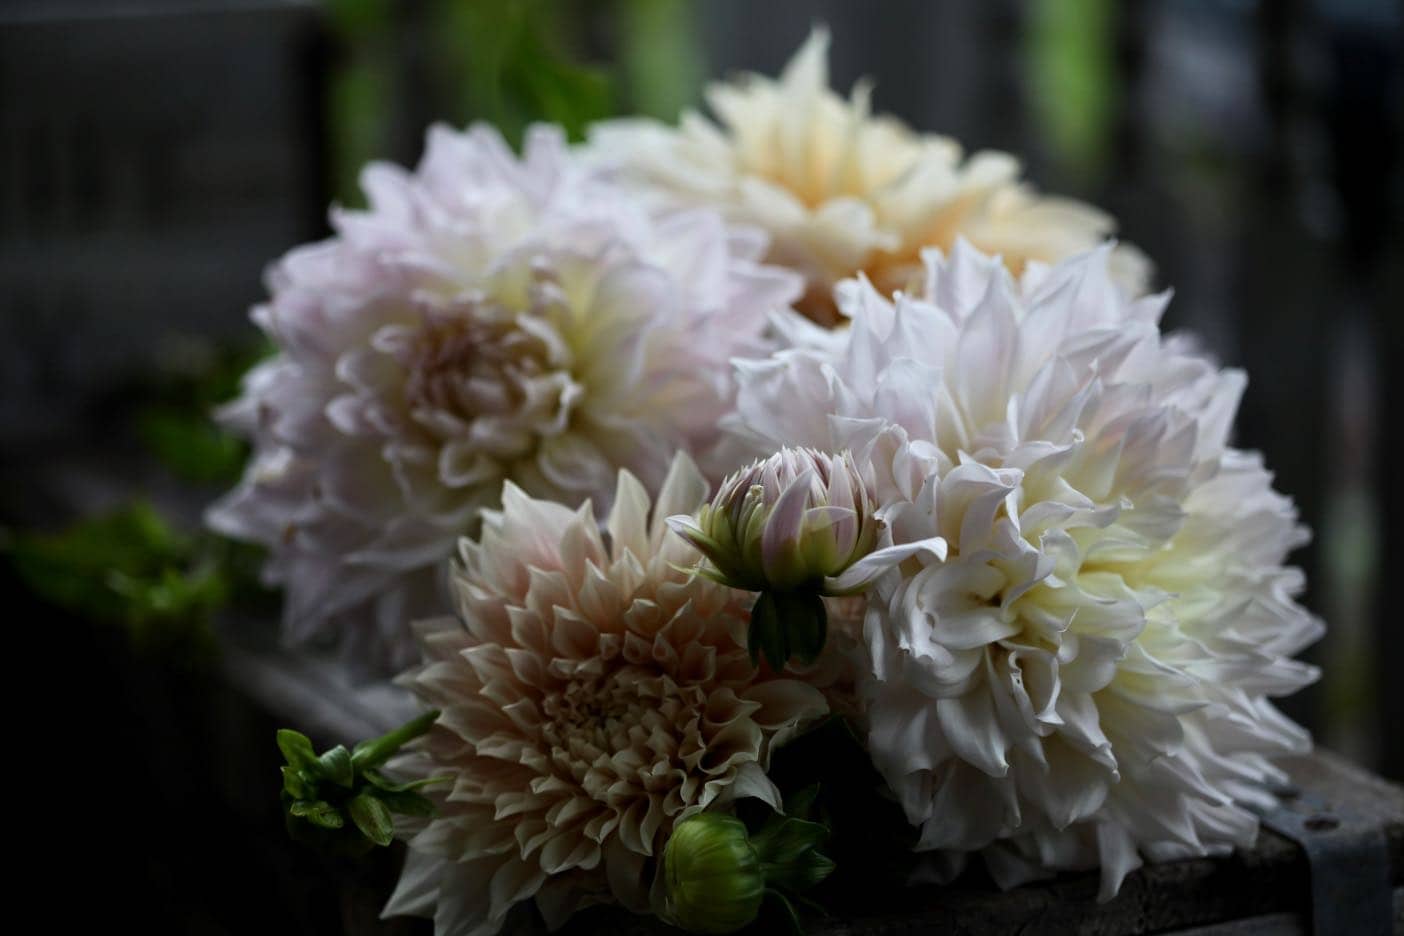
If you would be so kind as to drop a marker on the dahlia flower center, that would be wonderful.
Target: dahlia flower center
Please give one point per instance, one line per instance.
(500, 374)
(616, 712)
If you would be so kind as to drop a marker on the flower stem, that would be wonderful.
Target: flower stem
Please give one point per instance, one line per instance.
(377, 751)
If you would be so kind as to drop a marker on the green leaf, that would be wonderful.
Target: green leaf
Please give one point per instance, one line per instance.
(72, 568)
(335, 765)
(787, 841)
(129, 568)
(378, 780)
(191, 445)
(405, 802)
(372, 817)
(297, 749)
(801, 803)
(295, 783)
(318, 812)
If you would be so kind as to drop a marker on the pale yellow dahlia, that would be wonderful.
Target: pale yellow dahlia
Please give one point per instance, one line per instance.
(842, 191)
(594, 694)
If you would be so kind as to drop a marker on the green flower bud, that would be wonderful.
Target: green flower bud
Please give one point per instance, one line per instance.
(713, 876)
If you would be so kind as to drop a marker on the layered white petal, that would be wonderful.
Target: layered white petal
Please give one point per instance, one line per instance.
(1082, 676)
(487, 318)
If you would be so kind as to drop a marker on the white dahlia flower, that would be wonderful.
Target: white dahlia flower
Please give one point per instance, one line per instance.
(1084, 679)
(487, 318)
(593, 695)
(842, 191)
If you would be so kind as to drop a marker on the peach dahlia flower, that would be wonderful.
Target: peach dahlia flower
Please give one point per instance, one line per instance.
(594, 695)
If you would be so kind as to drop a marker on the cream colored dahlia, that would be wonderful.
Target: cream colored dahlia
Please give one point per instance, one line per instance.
(487, 318)
(593, 696)
(842, 191)
(1085, 678)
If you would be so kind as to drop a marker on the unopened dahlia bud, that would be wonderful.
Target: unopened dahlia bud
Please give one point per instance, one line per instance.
(716, 873)
(793, 520)
(796, 526)
(712, 875)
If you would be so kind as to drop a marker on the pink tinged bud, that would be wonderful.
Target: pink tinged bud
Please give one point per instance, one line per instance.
(788, 522)
(780, 542)
(795, 527)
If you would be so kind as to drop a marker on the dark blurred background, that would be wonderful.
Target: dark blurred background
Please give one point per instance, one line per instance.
(156, 154)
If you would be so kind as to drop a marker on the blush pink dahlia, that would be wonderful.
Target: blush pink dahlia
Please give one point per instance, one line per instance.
(594, 695)
(487, 318)
(1083, 676)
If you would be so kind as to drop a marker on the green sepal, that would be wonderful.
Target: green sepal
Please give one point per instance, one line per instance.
(785, 624)
(788, 852)
(802, 874)
(372, 817)
(335, 765)
(765, 636)
(805, 618)
(787, 910)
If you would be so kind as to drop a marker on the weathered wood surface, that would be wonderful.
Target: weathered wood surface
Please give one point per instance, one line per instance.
(1262, 890)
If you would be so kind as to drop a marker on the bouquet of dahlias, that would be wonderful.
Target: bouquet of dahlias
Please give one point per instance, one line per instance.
(650, 460)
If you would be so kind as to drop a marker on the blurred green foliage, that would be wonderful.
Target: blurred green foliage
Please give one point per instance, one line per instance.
(132, 566)
(506, 62)
(660, 56)
(501, 61)
(1070, 56)
(176, 423)
(360, 88)
(128, 567)
(191, 447)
